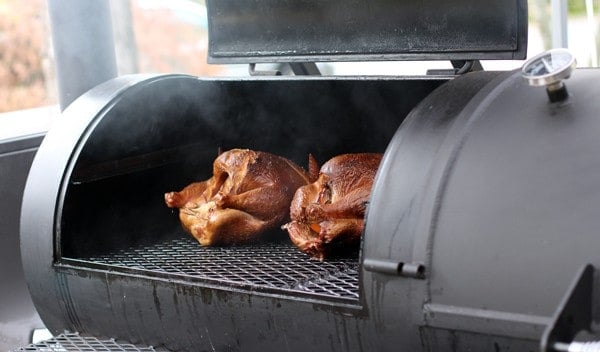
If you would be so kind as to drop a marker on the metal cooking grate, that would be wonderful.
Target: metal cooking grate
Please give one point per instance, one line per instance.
(271, 266)
(72, 342)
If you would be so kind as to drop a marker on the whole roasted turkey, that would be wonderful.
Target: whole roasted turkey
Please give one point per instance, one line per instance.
(249, 193)
(328, 214)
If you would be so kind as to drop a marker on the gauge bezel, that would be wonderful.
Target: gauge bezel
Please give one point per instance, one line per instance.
(551, 77)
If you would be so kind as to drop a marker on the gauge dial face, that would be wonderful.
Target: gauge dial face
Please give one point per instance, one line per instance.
(548, 63)
(549, 67)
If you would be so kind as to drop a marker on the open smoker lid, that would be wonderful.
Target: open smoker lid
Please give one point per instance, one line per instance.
(254, 31)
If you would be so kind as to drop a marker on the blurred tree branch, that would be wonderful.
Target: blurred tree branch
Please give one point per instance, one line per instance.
(22, 46)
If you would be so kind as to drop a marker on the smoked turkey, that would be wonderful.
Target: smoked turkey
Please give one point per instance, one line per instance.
(249, 193)
(328, 214)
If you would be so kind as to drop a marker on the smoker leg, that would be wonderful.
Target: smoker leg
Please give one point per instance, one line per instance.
(573, 315)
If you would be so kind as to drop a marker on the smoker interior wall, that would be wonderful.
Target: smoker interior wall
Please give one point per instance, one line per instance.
(161, 137)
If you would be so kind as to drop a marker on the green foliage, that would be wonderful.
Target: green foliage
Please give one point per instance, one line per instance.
(577, 7)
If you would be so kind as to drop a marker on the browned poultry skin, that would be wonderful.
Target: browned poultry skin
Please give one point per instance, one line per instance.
(328, 215)
(249, 193)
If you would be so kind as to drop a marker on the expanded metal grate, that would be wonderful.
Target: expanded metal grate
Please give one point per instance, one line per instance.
(73, 342)
(270, 266)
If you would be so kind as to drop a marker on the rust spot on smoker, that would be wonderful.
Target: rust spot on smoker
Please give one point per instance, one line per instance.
(156, 302)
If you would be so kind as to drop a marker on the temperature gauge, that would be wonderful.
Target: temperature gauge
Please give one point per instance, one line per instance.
(549, 69)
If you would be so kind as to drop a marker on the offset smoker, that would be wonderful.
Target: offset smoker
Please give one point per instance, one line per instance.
(482, 213)
(122, 145)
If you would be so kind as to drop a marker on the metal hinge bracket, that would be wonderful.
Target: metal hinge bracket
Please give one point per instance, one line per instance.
(573, 315)
(292, 68)
(413, 270)
(459, 67)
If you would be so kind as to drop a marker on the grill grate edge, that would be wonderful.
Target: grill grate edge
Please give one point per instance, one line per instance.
(73, 342)
(267, 266)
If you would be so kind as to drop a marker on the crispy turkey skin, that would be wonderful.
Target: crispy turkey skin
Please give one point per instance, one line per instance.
(328, 214)
(249, 193)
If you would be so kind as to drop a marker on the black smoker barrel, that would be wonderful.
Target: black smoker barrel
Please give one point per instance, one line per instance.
(482, 213)
(495, 199)
(105, 256)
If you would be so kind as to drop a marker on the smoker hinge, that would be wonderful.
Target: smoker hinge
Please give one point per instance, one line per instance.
(305, 69)
(573, 315)
(254, 72)
(459, 67)
(292, 68)
(414, 270)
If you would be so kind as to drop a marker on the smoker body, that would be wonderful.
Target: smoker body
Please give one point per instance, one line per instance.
(487, 191)
(121, 146)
